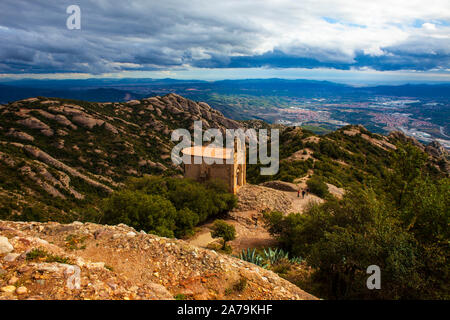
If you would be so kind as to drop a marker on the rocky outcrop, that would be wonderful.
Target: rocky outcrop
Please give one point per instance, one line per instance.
(261, 198)
(49, 188)
(86, 121)
(400, 136)
(58, 118)
(20, 135)
(34, 123)
(280, 185)
(377, 140)
(435, 149)
(117, 262)
(335, 191)
(44, 157)
(179, 105)
(438, 155)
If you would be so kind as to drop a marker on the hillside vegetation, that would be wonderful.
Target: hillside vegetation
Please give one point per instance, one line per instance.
(348, 156)
(167, 206)
(59, 157)
(395, 214)
(109, 163)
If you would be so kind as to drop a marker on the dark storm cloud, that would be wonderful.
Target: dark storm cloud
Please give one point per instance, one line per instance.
(159, 35)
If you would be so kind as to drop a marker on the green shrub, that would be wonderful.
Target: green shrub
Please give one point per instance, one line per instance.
(223, 230)
(341, 238)
(141, 211)
(44, 256)
(75, 242)
(238, 287)
(166, 206)
(282, 267)
(296, 260)
(179, 296)
(318, 187)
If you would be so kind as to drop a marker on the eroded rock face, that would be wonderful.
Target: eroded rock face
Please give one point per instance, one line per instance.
(58, 118)
(44, 157)
(438, 155)
(34, 123)
(20, 135)
(117, 262)
(436, 150)
(86, 121)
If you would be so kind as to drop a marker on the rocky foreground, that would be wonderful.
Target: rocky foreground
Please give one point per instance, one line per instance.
(40, 261)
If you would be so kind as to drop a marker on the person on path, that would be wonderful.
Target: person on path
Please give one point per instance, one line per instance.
(303, 194)
(255, 220)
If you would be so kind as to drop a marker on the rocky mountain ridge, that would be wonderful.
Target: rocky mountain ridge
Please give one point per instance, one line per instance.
(70, 151)
(57, 154)
(118, 262)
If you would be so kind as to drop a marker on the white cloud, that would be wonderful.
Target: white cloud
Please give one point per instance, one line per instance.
(149, 35)
(429, 26)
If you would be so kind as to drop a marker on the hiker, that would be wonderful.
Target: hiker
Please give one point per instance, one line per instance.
(255, 219)
(298, 193)
(303, 194)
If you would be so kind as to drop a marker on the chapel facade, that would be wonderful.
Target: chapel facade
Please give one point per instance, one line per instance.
(232, 170)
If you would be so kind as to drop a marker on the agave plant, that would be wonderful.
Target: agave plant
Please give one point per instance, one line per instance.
(296, 260)
(253, 257)
(275, 256)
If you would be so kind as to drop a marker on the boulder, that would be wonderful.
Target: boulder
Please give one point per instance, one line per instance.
(87, 121)
(5, 246)
(33, 123)
(20, 135)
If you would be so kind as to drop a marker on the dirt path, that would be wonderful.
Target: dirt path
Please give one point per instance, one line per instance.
(300, 204)
(247, 219)
(202, 238)
(248, 233)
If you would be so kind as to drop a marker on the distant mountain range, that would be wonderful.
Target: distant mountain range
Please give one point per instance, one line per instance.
(119, 90)
(11, 93)
(419, 110)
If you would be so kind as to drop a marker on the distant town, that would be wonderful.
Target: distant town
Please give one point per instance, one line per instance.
(381, 114)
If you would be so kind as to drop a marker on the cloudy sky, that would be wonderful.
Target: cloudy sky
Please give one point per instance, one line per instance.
(383, 39)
